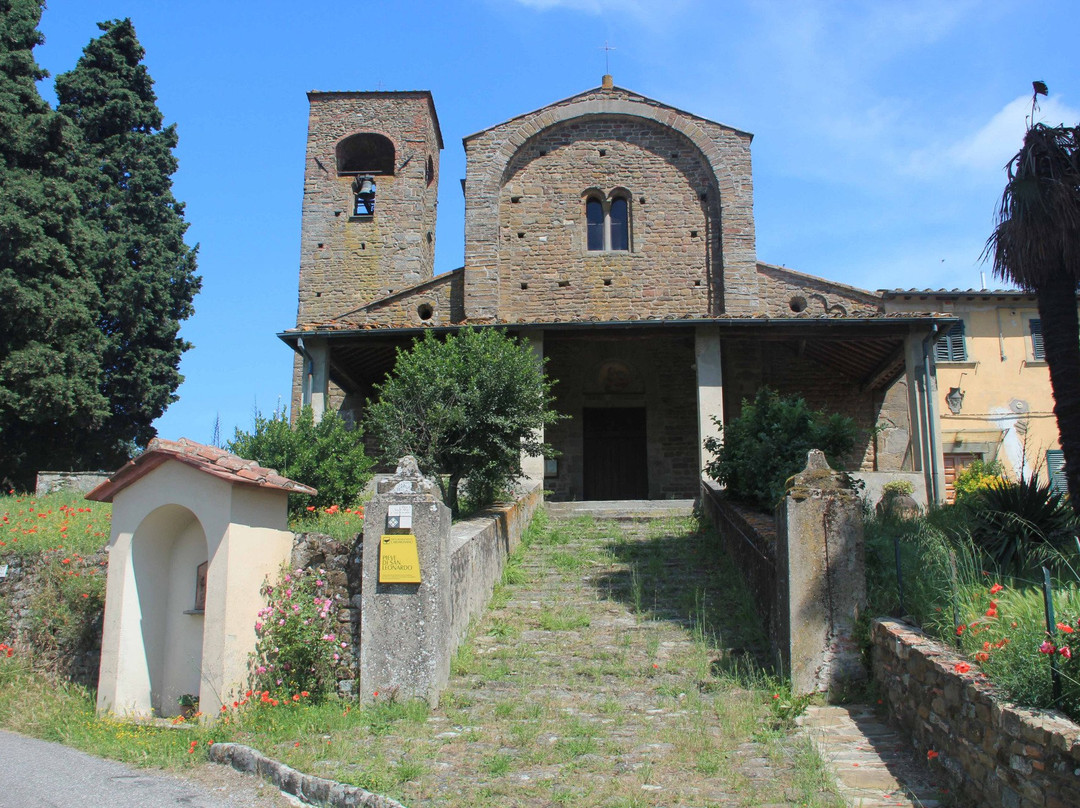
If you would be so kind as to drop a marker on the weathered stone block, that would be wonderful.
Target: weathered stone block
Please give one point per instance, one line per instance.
(821, 576)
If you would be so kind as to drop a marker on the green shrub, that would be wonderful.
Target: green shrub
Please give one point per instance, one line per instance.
(976, 477)
(768, 443)
(953, 592)
(466, 408)
(898, 488)
(1021, 525)
(328, 456)
(297, 648)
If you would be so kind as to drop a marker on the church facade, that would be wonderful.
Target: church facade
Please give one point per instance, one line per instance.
(616, 235)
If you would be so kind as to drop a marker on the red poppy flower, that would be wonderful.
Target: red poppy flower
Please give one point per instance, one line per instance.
(961, 667)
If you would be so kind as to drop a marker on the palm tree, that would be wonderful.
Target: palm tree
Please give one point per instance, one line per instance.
(1036, 245)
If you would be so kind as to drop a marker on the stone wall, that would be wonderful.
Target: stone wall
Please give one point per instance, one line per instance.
(749, 538)
(81, 481)
(340, 565)
(652, 369)
(787, 293)
(992, 753)
(549, 158)
(347, 261)
(22, 619)
(478, 551)
(437, 302)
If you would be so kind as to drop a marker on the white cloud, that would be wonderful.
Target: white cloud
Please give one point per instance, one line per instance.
(991, 146)
(641, 10)
(983, 150)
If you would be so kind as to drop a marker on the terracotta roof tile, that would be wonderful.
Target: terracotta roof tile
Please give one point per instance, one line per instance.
(209, 459)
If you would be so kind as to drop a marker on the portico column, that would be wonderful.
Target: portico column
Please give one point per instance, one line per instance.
(925, 425)
(710, 387)
(316, 377)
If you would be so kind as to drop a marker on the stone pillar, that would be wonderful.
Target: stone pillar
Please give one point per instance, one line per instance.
(925, 424)
(405, 627)
(913, 375)
(532, 468)
(821, 578)
(316, 376)
(710, 388)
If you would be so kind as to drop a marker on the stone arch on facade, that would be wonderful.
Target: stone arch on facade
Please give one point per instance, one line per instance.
(727, 202)
(546, 119)
(168, 547)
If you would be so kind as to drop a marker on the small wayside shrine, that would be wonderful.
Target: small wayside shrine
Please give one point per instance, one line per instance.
(195, 533)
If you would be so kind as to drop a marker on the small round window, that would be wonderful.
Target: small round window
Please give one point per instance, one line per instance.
(797, 303)
(425, 311)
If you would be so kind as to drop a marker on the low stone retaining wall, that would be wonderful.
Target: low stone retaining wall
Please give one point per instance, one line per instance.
(422, 588)
(750, 540)
(478, 551)
(66, 640)
(992, 753)
(311, 790)
(80, 481)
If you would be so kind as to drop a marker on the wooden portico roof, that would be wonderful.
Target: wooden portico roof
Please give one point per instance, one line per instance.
(868, 350)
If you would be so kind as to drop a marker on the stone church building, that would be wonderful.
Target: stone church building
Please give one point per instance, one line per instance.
(615, 234)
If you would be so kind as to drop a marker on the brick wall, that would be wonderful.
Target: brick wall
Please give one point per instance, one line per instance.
(663, 380)
(545, 267)
(549, 158)
(347, 262)
(786, 293)
(750, 364)
(749, 537)
(992, 753)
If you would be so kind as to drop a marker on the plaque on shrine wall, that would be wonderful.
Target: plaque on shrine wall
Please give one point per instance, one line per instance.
(200, 586)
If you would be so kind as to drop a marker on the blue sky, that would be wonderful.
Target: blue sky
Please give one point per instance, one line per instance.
(881, 128)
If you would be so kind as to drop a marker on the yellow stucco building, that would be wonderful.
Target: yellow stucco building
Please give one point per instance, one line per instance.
(995, 400)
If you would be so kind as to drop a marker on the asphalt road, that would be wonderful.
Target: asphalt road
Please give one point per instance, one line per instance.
(38, 774)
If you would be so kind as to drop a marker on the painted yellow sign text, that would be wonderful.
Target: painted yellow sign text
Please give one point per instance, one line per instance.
(399, 562)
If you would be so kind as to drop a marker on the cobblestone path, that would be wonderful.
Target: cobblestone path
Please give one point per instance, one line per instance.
(615, 667)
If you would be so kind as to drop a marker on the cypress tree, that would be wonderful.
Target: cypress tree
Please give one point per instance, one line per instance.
(143, 269)
(50, 346)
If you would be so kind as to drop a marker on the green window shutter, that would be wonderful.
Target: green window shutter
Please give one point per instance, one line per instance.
(950, 346)
(1055, 470)
(1037, 351)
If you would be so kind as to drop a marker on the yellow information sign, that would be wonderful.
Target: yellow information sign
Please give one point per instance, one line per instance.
(399, 562)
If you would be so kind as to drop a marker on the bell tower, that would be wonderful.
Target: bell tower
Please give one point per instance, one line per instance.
(371, 181)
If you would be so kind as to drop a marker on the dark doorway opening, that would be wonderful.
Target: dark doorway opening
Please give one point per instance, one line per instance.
(615, 456)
